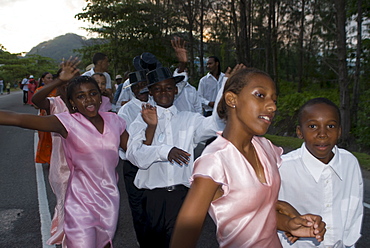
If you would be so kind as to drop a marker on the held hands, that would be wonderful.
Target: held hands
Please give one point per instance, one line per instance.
(178, 45)
(179, 156)
(307, 225)
(69, 69)
(149, 114)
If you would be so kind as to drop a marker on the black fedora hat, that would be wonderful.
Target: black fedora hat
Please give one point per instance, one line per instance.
(161, 74)
(137, 77)
(146, 61)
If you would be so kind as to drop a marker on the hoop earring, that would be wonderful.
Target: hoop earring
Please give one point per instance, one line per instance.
(74, 108)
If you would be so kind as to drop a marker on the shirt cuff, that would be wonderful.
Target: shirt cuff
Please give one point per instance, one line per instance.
(164, 151)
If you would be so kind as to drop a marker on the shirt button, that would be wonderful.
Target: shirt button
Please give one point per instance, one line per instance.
(327, 205)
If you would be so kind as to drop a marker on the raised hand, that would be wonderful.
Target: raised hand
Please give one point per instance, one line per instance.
(149, 114)
(229, 72)
(179, 156)
(178, 45)
(69, 69)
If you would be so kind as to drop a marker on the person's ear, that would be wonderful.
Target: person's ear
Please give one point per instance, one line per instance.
(340, 132)
(176, 90)
(231, 99)
(299, 132)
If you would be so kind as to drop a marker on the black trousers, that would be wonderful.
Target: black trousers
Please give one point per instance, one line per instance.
(161, 210)
(135, 199)
(25, 97)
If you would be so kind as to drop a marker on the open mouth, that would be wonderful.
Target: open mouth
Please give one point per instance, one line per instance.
(265, 117)
(90, 108)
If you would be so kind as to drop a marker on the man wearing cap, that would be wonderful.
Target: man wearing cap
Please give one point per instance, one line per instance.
(166, 165)
(24, 85)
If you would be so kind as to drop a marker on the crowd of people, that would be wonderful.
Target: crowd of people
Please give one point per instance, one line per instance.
(151, 120)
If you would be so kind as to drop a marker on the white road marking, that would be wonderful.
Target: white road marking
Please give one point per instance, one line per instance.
(43, 200)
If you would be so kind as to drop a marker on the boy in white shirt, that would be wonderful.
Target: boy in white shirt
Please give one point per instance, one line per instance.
(166, 165)
(322, 179)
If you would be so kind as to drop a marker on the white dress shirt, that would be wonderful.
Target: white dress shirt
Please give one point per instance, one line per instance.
(208, 88)
(187, 98)
(183, 130)
(125, 95)
(129, 113)
(334, 191)
(108, 80)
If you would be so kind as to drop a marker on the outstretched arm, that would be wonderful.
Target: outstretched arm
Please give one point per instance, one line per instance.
(178, 45)
(69, 70)
(41, 123)
(193, 212)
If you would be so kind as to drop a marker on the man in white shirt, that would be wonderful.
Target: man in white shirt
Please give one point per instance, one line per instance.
(210, 84)
(101, 64)
(320, 178)
(24, 85)
(166, 165)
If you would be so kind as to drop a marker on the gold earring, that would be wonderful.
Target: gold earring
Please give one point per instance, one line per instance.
(74, 108)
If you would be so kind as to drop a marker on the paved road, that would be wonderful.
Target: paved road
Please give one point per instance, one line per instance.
(27, 201)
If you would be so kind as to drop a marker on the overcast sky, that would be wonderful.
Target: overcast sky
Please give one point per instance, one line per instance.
(26, 23)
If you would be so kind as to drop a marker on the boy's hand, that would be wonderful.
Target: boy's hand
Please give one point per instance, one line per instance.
(178, 45)
(69, 69)
(179, 156)
(149, 114)
(307, 225)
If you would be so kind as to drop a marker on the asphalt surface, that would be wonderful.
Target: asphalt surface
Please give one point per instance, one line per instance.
(20, 218)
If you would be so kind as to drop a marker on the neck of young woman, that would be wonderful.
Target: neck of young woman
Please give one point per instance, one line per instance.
(237, 135)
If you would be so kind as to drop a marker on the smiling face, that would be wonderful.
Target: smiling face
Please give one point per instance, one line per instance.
(320, 129)
(253, 109)
(164, 92)
(87, 99)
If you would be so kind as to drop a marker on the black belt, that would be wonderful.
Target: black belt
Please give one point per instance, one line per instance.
(174, 187)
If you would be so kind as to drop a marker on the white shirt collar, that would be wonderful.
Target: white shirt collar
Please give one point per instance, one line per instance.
(160, 110)
(316, 167)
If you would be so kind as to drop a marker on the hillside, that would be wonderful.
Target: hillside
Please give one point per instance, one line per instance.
(62, 46)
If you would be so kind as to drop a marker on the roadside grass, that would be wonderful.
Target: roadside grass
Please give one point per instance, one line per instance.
(291, 143)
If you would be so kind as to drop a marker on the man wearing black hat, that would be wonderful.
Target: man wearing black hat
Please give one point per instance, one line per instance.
(166, 165)
(145, 61)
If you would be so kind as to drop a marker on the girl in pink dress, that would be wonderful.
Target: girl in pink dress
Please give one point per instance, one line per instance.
(90, 139)
(237, 180)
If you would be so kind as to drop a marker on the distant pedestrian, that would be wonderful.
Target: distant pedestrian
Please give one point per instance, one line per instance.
(32, 85)
(24, 87)
(1, 86)
(8, 88)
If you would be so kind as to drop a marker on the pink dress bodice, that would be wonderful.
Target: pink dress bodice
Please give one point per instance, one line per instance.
(245, 215)
(92, 197)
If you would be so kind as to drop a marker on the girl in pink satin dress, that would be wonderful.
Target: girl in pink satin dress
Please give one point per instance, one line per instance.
(91, 140)
(237, 180)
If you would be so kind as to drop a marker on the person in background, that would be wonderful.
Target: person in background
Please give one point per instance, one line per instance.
(119, 85)
(107, 97)
(129, 113)
(44, 145)
(323, 179)
(101, 64)
(8, 87)
(236, 179)
(32, 85)
(210, 84)
(1, 86)
(187, 98)
(24, 87)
